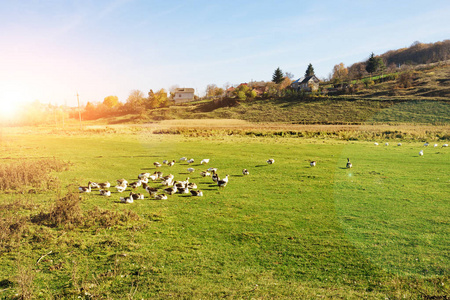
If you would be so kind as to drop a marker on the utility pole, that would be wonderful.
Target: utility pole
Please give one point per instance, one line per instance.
(79, 111)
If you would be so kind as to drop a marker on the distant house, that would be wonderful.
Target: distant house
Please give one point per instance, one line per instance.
(307, 84)
(183, 95)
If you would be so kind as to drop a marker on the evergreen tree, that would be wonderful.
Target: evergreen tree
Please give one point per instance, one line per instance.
(372, 64)
(277, 76)
(309, 70)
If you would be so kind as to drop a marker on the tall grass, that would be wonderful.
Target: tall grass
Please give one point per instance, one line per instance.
(30, 175)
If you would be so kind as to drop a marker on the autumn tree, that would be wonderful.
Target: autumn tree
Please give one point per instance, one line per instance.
(340, 73)
(309, 70)
(158, 99)
(277, 76)
(213, 91)
(135, 101)
(111, 101)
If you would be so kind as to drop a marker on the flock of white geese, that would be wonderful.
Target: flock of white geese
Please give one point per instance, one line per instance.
(170, 186)
(166, 185)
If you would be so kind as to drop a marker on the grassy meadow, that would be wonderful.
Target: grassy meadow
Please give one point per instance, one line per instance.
(379, 230)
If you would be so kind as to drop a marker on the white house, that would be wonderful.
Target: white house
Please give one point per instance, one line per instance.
(307, 83)
(183, 95)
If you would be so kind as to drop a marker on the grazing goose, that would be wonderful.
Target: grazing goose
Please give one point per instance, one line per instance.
(421, 152)
(180, 183)
(399, 144)
(157, 164)
(167, 182)
(170, 164)
(137, 196)
(435, 145)
(205, 173)
(171, 190)
(93, 185)
(445, 145)
(215, 176)
(212, 170)
(105, 193)
(183, 159)
(121, 181)
(144, 175)
(152, 191)
(85, 189)
(192, 185)
(121, 187)
(128, 199)
(270, 161)
(104, 185)
(136, 184)
(223, 182)
(313, 163)
(204, 161)
(190, 161)
(245, 172)
(153, 177)
(376, 144)
(386, 144)
(190, 170)
(165, 162)
(349, 164)
(197, 193)
(170, 176)
(161, 197)
(184, 190)
(426, 144)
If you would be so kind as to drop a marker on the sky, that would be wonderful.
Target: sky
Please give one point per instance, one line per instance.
(50, 50)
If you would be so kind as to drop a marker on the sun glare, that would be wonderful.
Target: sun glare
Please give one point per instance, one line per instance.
(10, 104)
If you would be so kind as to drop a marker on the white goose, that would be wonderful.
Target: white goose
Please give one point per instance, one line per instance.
(190, 161)
(349, 164)
(223, 182)
(105, 193)
(204, 161)
(421, 152)
(85, 189)
(128, 199)
(121, 187)
(313, 163)
(198, 193)
(161, 197)
(190, 170)
(205, 173)
(104, 185)
(270, 161)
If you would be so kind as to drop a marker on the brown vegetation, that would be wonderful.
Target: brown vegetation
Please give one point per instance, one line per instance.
(30, 175)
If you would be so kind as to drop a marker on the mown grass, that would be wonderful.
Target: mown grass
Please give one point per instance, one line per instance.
(287, 230)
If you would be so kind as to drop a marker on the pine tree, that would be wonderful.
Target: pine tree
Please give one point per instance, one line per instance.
(309, 70)
(371, 64)
(277, 76)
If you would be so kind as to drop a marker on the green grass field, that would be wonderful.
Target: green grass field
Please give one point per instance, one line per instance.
(379, 230)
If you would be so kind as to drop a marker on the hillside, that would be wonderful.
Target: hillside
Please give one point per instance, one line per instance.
(425, 101)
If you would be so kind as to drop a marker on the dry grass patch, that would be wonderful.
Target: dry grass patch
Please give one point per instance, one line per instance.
(30, 175)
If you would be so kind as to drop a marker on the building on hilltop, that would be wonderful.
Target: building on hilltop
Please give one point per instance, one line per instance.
(307, 84)
(182, 95)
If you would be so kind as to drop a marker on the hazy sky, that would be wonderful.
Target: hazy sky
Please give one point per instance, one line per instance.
(50, 50)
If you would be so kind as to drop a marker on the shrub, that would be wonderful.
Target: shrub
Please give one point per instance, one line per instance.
(66, 211)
